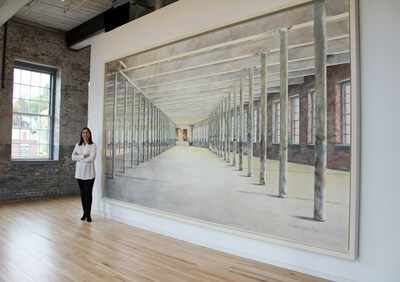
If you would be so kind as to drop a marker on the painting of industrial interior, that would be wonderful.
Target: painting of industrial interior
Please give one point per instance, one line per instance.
(245, 127)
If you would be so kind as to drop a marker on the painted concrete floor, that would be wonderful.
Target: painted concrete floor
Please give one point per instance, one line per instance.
(193, 182)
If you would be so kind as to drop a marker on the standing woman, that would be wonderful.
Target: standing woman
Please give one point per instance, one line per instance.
(84, 154)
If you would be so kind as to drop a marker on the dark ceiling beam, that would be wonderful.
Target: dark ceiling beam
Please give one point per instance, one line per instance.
(106, 21)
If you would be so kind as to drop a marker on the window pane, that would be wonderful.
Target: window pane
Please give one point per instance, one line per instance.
(25, 123)
(15, 134)
(23, 106)
(34, 107)
(25, 136)
(17, 91)
(35, 123)
(35, 79)
(44, 135)
(25, 90)
(25, 77)
(35, 93)
(45, 80)
(17, 76)
(15, 105)
(16, 121)
(44, 122)
(34, 136)
(44, 149)
(24, 150)
(14, 150)
(34, 153)
(43, 108)
(44, 94)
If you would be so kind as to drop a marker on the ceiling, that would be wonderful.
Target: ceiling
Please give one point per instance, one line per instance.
(188, 79)
(66, 15)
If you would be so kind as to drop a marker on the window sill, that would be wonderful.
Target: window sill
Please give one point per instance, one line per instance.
(33, 161)
(342, 147)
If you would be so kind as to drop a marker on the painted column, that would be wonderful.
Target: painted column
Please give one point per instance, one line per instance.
(157, 131)
(213, 131)
(152, 132)
(229, 128)
(217, 131)
(283, 143)
(148, 131)
(263, 123)
(226, 130)
(114, 124)
(221, 129)
(144, 130)
(221, 144)
(320, 111)
(139, 130)
(250, 125)
(241, 125)
(133, 130)
(162, 132)
(234, 124)
(125, 127)
(210, 130)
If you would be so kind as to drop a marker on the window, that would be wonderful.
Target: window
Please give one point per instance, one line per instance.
(33, 111)
(345, 113)
(294, 120)
(276, 117)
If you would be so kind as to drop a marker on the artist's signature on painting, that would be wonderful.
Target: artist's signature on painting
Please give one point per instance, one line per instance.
(303, 227)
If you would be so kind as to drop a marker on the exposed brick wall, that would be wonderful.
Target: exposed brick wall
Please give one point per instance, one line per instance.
(40, 45)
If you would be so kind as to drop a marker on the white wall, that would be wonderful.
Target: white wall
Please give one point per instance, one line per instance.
(379, 254)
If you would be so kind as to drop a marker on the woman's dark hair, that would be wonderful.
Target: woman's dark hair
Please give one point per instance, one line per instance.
(90, 137)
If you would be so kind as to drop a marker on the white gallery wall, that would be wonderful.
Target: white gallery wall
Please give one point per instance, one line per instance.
(379, 241)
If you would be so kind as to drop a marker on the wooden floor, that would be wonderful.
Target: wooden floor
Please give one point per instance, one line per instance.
(45, 240)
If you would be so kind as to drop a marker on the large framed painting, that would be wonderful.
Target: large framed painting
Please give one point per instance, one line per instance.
(251, 128)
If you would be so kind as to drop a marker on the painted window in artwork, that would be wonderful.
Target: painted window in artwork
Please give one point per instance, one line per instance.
(276, 117)
(32, 125)
(345, 113)
(294, 119)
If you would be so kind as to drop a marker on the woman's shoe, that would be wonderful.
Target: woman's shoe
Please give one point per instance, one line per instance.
(83, 217)
(89, 219)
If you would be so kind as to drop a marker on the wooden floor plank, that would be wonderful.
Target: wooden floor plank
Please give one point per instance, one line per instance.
(44, 240)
